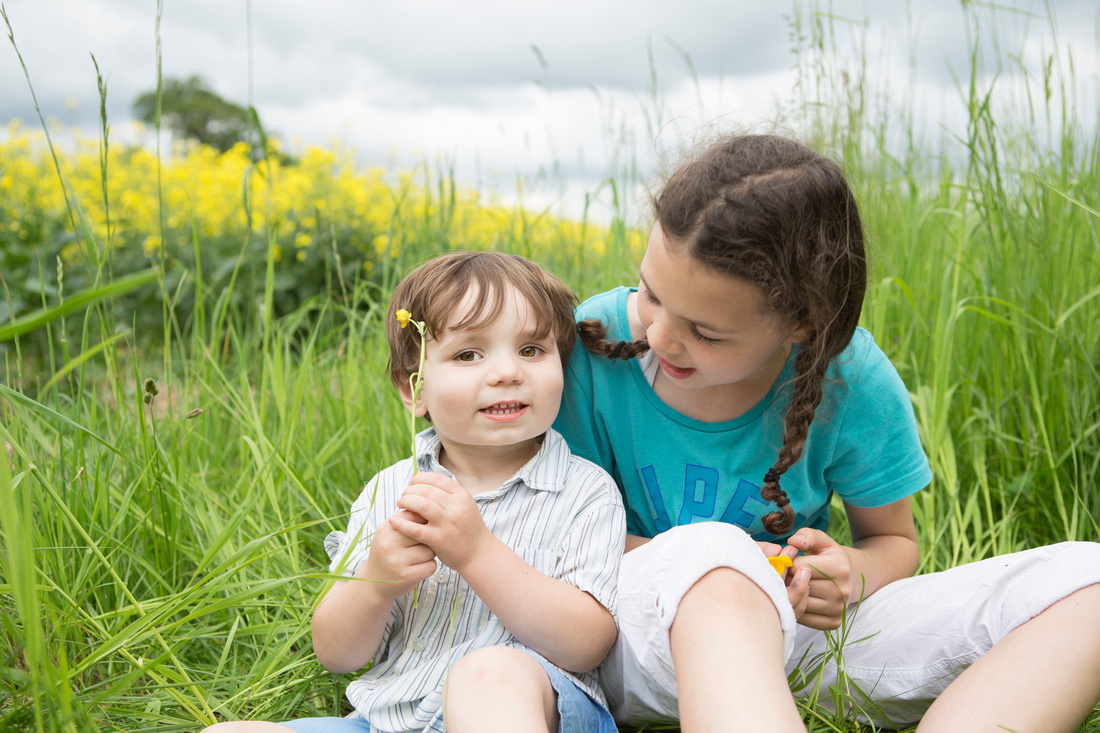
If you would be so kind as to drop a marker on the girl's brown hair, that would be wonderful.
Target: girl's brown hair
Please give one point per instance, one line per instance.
(433, 290)
(773, 212)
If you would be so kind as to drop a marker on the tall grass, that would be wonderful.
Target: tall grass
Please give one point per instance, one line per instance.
(162, 541)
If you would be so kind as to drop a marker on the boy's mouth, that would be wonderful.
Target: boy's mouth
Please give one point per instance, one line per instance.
(504, 409)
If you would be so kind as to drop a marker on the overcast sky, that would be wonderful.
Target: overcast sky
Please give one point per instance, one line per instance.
(504, 88)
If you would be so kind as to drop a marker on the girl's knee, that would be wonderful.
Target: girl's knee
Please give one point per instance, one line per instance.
(726, 587)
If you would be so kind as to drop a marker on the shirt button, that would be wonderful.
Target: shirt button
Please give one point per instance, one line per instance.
(418, 645)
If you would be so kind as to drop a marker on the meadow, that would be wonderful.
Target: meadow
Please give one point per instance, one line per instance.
(193, 384)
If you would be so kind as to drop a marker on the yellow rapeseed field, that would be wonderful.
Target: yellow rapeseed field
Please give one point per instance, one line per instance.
(318, 198)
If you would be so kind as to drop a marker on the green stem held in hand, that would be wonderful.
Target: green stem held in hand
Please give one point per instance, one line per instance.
(416, 380)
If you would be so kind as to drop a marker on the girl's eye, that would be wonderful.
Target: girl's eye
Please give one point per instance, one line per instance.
(530, 352)
(466, 356)
(704, 339)
(649, 296)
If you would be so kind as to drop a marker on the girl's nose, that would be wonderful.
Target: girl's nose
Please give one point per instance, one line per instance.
(660, 335)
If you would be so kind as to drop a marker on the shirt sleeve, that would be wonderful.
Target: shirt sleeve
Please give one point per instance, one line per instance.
(591, 550)
(347, 550)
(878, 458)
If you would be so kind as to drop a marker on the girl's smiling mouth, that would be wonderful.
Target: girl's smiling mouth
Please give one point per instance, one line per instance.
(674, 371)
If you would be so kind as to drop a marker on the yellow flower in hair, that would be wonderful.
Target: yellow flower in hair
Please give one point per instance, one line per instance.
(780, 563)
(403, 317)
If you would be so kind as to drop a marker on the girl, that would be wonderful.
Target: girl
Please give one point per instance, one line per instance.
(730, 395)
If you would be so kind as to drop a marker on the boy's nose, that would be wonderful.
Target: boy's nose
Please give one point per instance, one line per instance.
(506, 370)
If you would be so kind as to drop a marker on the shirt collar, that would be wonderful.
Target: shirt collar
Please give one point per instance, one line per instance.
(545, 471)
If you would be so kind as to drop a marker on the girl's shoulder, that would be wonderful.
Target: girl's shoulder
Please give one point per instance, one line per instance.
(863, 360)
(864, 378)
(609, 308)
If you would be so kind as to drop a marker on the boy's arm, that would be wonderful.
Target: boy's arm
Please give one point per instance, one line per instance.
(566, 625)
(560, 621)
(350, 620)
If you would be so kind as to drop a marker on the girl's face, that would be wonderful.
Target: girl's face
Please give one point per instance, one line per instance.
(708, 330)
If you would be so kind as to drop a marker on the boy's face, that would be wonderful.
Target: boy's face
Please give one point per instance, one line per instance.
(496, 386)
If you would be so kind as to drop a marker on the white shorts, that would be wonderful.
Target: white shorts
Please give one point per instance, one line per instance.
(901, 647)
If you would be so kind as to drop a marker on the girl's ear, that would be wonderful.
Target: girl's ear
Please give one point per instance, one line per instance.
(407, 399)
(799, 333)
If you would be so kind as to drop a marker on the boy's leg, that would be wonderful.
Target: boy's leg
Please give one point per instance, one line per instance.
(1044, 675)
(499, 689)
(301, 725)
(247, 726)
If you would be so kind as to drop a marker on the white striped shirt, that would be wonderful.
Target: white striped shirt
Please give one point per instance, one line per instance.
(560, 513)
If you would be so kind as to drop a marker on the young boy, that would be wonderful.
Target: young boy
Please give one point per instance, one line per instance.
(484, 574)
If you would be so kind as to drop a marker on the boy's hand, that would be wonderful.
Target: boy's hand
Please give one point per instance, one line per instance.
(796, 578)
(396, 559)
(454, 528)
(830, 587)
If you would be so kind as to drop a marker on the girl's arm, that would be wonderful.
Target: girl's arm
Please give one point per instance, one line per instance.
(884, 549)
(884, 546)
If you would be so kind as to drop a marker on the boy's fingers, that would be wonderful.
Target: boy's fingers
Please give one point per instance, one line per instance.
(436, 480)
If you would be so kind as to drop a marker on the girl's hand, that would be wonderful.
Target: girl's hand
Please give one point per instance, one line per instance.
(399, 562)
(830, 586)
(797, 579)
(453, 526)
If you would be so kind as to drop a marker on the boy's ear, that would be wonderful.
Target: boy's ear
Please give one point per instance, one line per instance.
(405, 390)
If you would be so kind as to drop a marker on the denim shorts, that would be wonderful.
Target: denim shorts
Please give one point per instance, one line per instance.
(579, 712)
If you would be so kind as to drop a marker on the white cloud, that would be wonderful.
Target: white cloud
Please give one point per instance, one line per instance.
(407, 80)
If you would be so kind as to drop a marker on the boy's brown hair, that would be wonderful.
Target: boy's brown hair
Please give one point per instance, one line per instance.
(432, 291)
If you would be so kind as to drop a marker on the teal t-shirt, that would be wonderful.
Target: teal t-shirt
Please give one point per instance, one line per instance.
(672, 470)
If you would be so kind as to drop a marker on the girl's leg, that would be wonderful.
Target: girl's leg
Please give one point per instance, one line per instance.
(705, 625)
(727, 647)
(1043, 676)
(909, 645)
(499, 689)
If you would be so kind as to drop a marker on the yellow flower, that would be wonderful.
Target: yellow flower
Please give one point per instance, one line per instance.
(403, 317)
(780, 563)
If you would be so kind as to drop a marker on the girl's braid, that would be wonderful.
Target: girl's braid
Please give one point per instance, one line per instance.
(810, 373)
(593, 334)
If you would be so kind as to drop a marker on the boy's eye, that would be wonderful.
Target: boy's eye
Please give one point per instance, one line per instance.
(466, 356)
(530, 352)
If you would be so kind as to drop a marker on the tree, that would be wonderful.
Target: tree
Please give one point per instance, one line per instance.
(191, 109)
